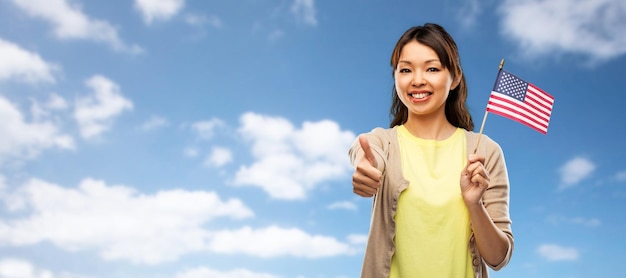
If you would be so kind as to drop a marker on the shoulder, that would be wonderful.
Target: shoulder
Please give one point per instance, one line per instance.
(486, 142)
(379, 131)
(490, 149)
(487, 147)
(382, 136)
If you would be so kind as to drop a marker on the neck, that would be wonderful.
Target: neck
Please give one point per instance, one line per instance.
(426, 127)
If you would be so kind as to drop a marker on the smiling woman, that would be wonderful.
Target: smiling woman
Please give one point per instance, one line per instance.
(442, 211)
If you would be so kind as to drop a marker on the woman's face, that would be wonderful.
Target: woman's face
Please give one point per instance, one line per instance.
(422, 83)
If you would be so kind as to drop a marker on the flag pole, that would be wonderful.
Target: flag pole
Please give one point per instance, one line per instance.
(482, 126)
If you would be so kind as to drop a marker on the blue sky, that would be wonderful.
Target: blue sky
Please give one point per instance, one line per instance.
(192, 139)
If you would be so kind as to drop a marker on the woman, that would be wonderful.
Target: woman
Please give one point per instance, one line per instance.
(439, 210)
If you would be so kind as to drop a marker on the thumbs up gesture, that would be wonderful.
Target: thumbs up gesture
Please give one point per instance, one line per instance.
(367, 178)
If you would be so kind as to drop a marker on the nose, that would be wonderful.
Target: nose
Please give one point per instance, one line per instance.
(418, 80)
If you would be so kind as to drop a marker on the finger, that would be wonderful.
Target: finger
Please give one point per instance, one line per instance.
(364, 189)
(362, 193)
(365, 181)
(480, 174)
(476, 169)
(367, 174)
(475, 162)
(477, 178)
(480, 181)
(476, 158)
(471, 167)
(367, 150)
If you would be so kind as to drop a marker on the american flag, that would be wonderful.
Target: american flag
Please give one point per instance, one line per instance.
(520, 101)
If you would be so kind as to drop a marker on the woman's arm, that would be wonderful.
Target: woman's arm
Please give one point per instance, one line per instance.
(492, 242)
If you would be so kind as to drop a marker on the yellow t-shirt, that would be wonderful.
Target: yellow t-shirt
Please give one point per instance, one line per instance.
(432, 222)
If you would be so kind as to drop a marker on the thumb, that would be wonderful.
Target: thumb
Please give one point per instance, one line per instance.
(367, 150)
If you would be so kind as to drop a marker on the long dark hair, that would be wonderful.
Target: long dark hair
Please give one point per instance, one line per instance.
(435, 37)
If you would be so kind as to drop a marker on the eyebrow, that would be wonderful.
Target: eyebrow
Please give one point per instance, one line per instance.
(425, 62)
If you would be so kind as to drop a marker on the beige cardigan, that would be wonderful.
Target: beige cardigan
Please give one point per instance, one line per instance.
(380, 245)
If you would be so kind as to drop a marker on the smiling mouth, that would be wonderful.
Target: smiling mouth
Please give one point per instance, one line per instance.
(420, 95)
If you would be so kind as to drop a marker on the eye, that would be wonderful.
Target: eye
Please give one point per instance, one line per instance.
(433, 69)
(404, 70)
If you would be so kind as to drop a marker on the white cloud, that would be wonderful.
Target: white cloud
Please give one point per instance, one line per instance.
(304, 10)
(116, 221)
(16, 268)
(574, 171)
(289, 161)
(620, 176)
(593, 29)
(95, 113)
(347, 205)
(190, 152)
(587, 222)
(154, 122)
(275, 241)
(56, 102)
(206, 129)
(201, 20)
(469, 11)
(19, 64)
(44, 111)
(275, 35)
(69, 22)
(357, 239)
(119, 223)
(204, 272)
(3, 185)
(219, 157)
(153, 10)
(553, 252)
(20, 139)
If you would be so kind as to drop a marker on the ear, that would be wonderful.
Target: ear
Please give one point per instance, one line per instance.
(456, 81)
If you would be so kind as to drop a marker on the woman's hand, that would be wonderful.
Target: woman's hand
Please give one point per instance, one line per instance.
(366, 178)
(474, 180)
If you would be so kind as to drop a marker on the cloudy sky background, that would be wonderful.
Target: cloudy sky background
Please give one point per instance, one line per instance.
(189, 139)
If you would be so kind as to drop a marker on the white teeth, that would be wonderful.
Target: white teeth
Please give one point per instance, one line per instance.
(420, 95)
